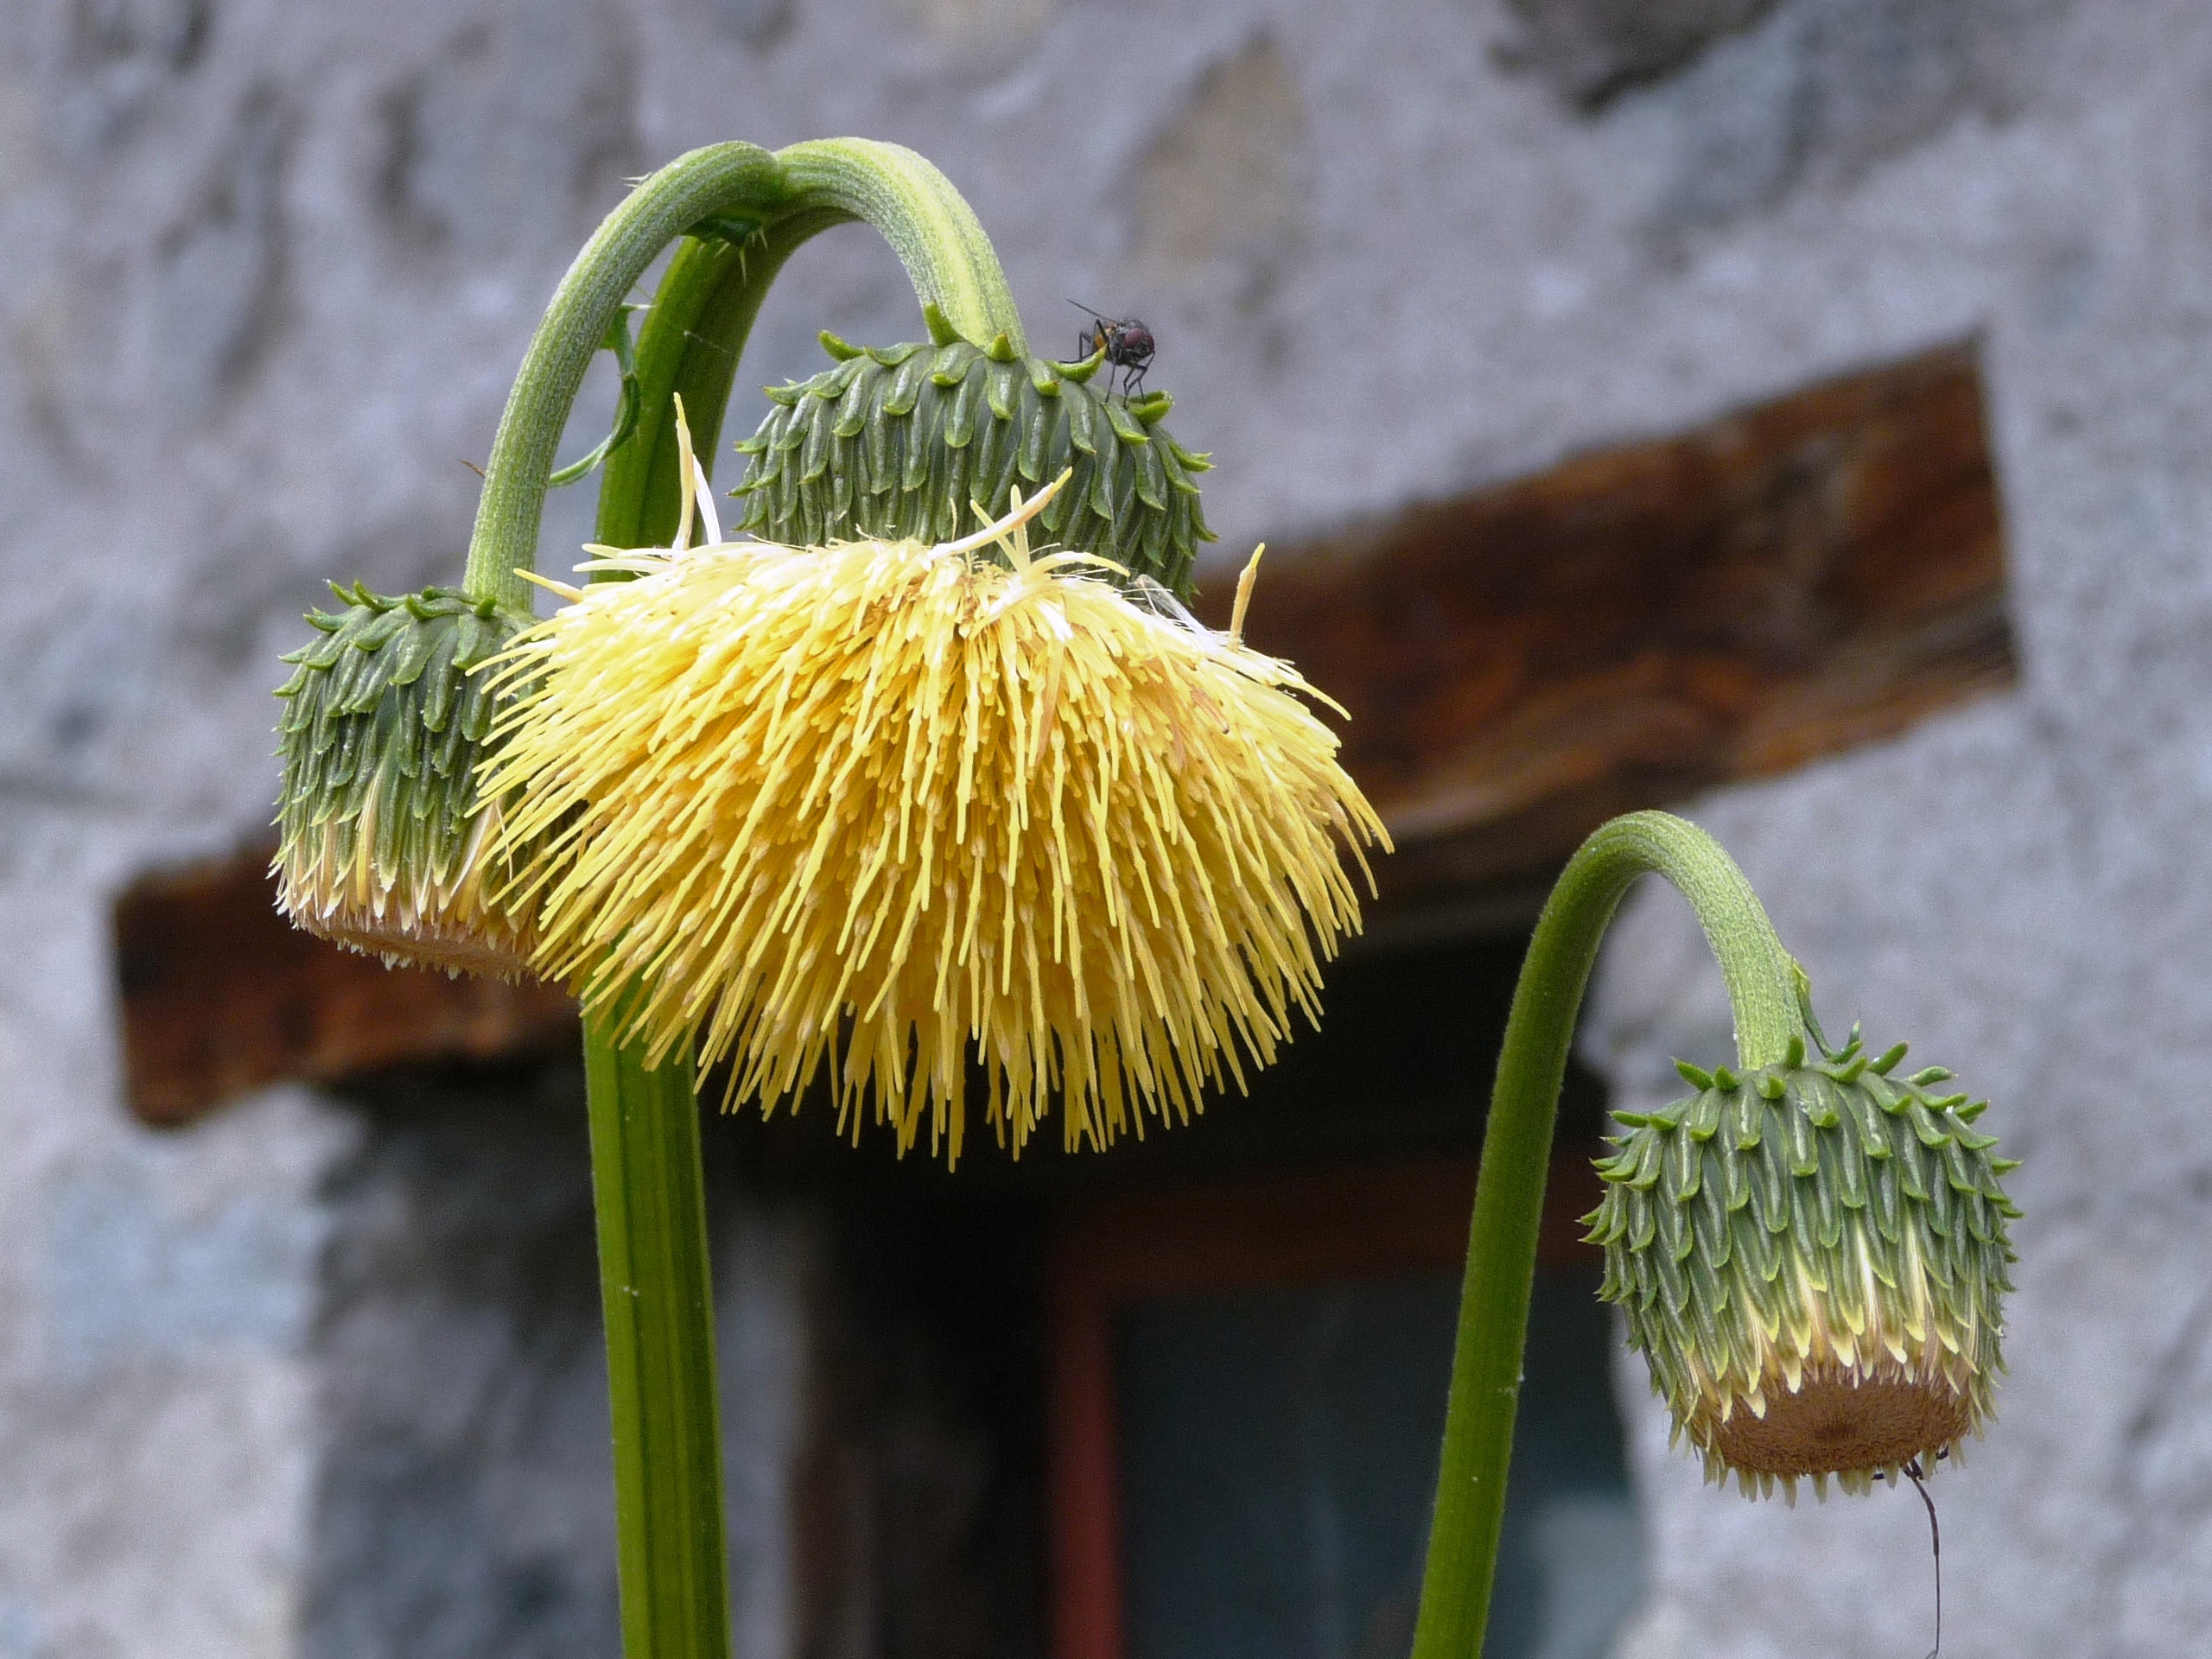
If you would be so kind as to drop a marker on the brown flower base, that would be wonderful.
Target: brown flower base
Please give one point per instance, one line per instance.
(1840, 1421)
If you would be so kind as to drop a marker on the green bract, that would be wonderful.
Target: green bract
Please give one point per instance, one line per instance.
(1811, 1256)
(908, 440)
(383, 847)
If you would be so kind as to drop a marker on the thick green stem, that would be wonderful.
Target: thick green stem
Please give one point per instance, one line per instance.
(751, 210)
(659, 1300)
(1516, 1154)
(647, 1178)
(765, 206)
(689, 347)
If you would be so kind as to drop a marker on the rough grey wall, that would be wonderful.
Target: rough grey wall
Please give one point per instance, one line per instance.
(266, 266)
(462, 1501)
(461, 1506)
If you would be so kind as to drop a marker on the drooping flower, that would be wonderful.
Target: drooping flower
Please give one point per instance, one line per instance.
(385, 845)
(880, 810)
(1812, 1257)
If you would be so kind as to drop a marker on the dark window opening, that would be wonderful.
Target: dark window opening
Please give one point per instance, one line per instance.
(1279, 1457)
(1249, 1397)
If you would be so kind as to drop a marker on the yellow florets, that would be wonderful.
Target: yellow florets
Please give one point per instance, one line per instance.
(879, 808)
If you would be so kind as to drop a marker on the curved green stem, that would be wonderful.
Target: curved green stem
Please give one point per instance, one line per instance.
(933, 232)
(741, 213)
(756, 207)
(1516, 1154)
(720, 181)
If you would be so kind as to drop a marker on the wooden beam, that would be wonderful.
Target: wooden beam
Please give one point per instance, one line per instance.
(1641, 624)
(1520, 664)
(221, 994)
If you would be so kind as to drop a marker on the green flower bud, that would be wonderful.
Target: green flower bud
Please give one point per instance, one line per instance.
(908, 440)
(1811, 1258)
(383, 846)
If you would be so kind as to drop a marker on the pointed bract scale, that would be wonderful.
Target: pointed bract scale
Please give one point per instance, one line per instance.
(1804, 1214)
(1770, 1181)
(1801, 1150)
(1037, 421)
(960, 418)
(1748, 1123)
(1732, 1178)
(1002, 391)
(1152, 485)
(1849, 1174)
(1682, 1167)
(851, 411)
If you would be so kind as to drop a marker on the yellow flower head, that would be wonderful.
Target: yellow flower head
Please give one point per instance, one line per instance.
(876, 808)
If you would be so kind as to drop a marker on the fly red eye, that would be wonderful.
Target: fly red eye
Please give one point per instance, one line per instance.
(1128, 344)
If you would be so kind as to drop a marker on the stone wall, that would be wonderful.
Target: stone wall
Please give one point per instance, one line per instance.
(269, 264)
